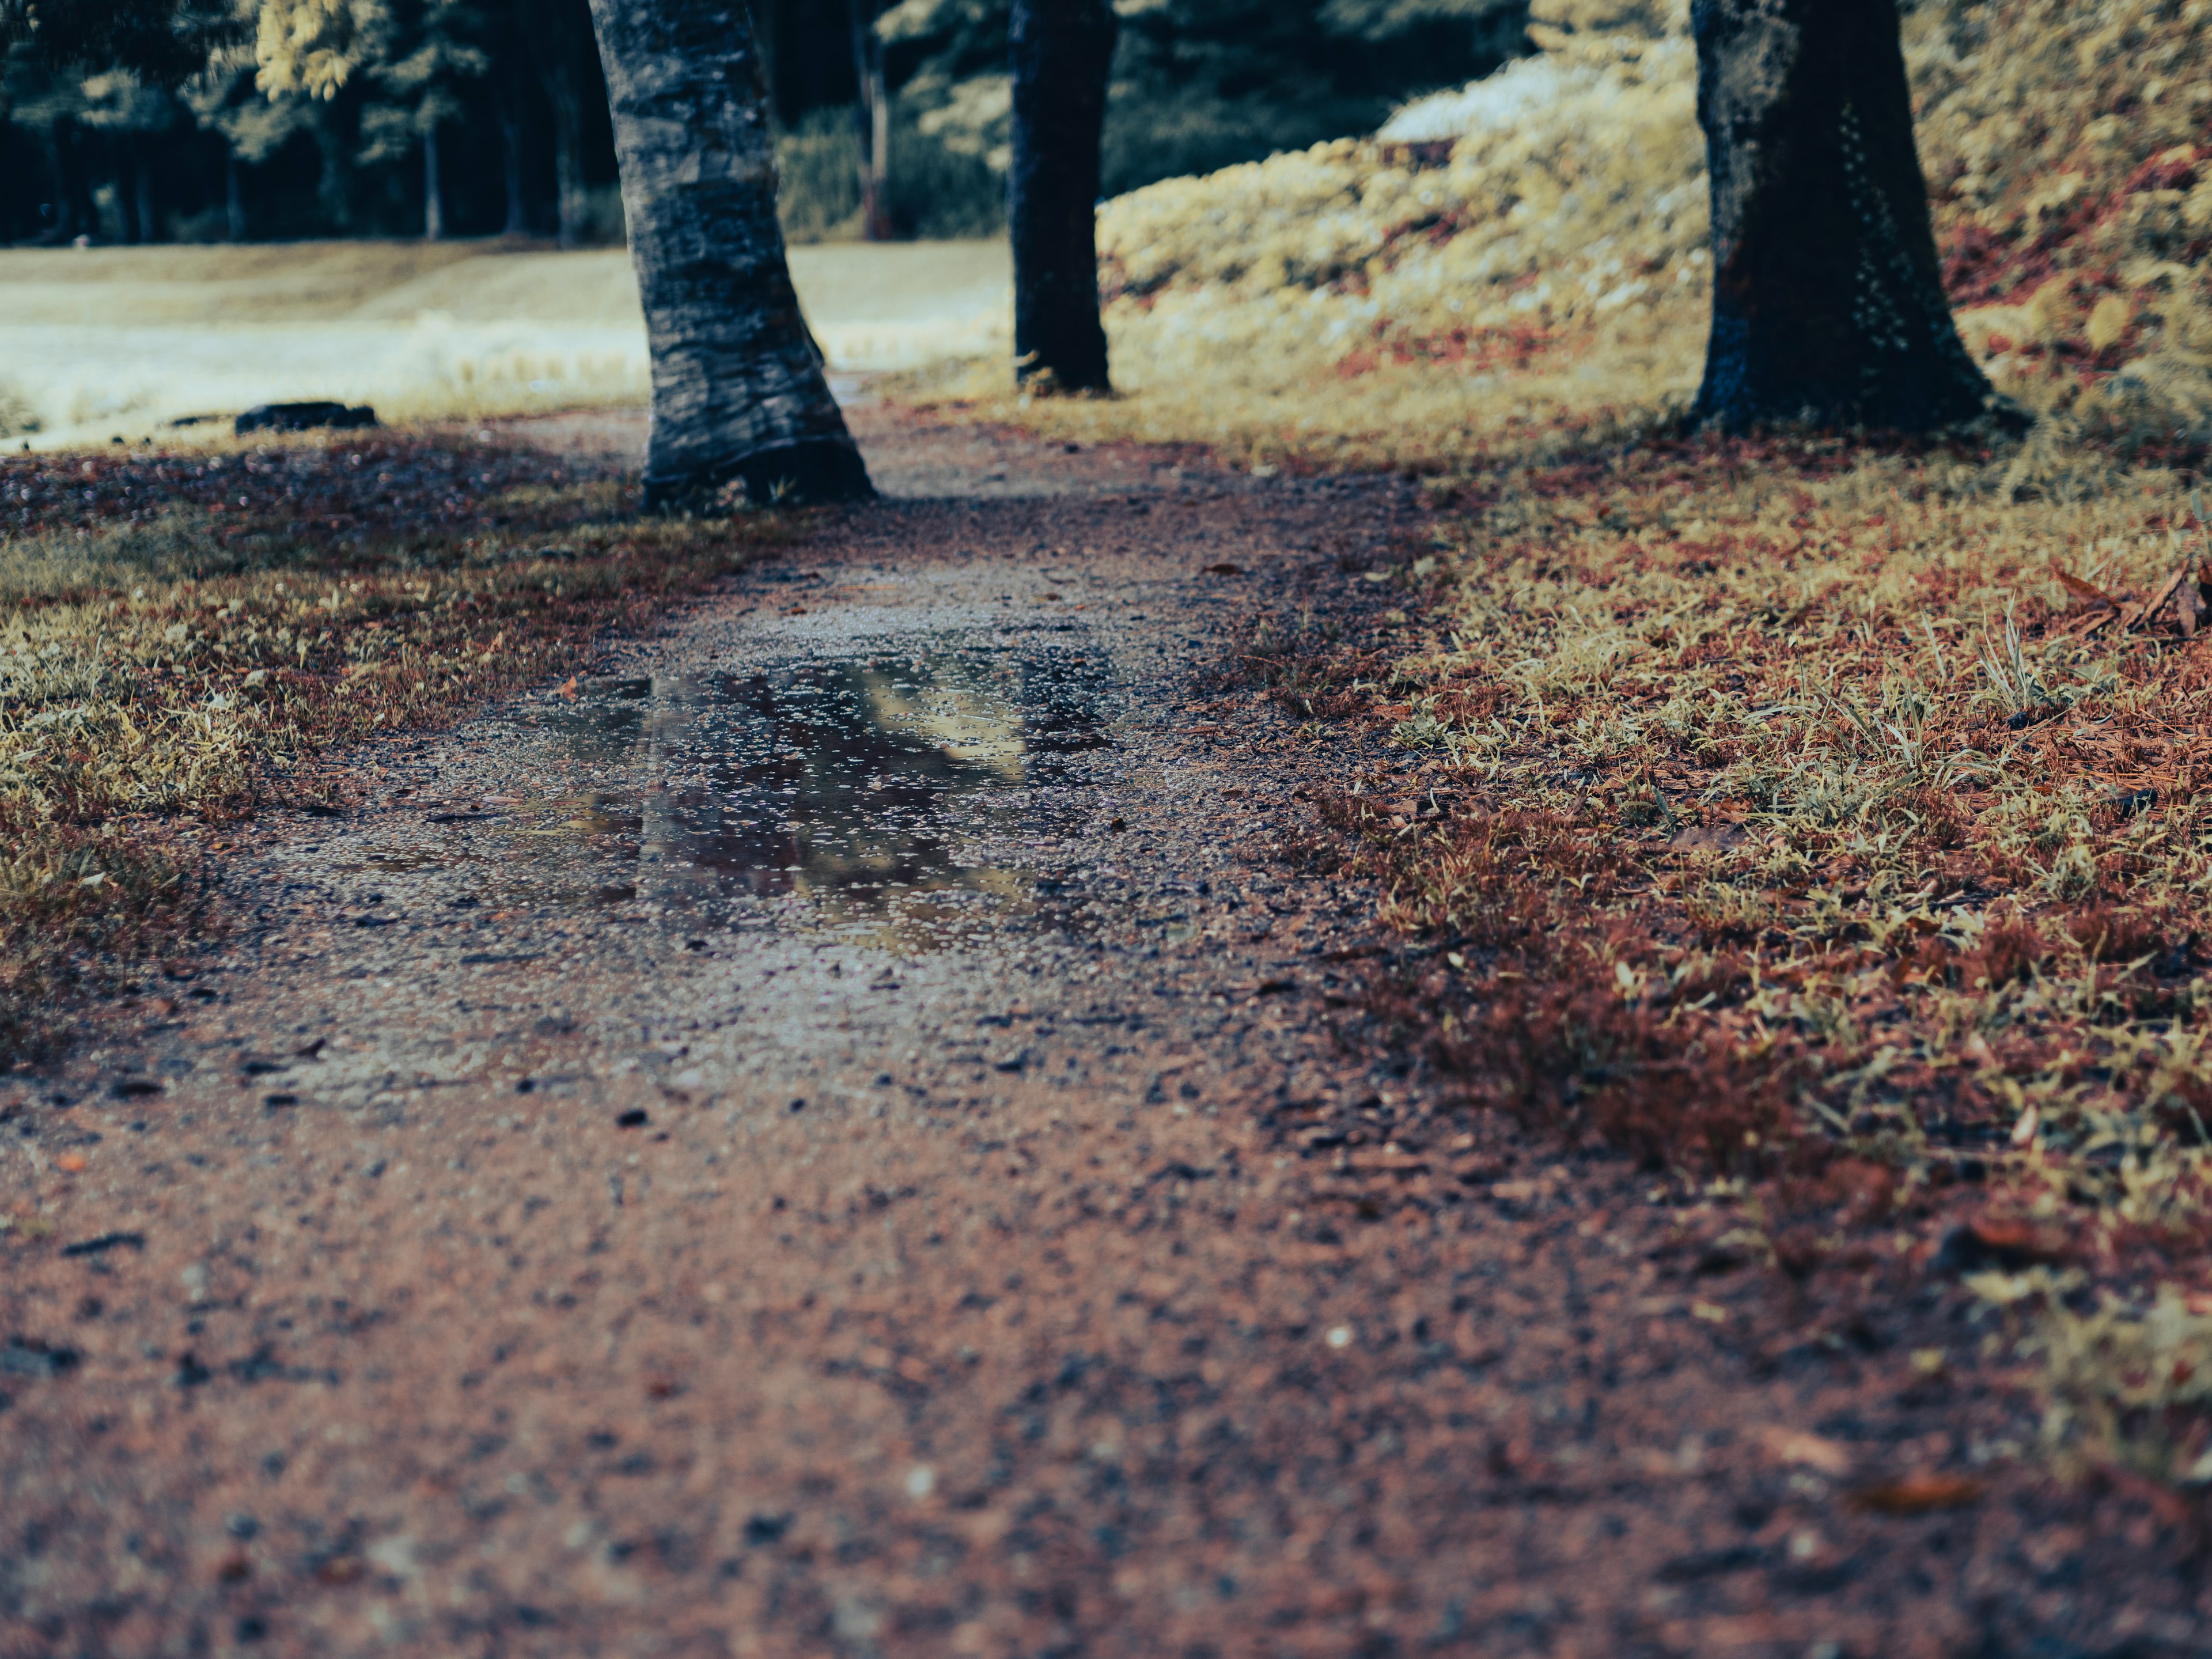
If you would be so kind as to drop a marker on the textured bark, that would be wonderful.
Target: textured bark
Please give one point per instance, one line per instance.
(738, 388)
(1828, 302)
(1062, 51)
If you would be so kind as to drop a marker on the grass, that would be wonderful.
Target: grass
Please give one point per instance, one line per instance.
(1802, 820)
(187, 639)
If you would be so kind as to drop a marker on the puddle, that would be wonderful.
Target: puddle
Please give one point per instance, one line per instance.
(908, 799)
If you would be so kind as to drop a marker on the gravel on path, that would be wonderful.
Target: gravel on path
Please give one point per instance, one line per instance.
(844, 1131)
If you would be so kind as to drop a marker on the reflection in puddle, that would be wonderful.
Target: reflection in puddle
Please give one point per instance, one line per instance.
(886, 798)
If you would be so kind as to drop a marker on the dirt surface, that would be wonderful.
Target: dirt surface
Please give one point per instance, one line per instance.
(856, 1128)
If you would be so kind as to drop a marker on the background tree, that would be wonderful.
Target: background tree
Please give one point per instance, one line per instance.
(423, 58)
(1828, 303)
(738, 388)
(1202, 84)
(1062, 51)
(558, 40)
(875, 112)
(128, 113)
(50, 103)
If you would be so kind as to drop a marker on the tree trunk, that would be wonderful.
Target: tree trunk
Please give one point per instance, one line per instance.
(738, 388)
(875, 122)
(74, 206)
(510, 157)
(333, 186)
(434, 194)
(127, 192)
(1828, 301)
(234, 197)
(1062, 51)
(567, 151)
(142, 179)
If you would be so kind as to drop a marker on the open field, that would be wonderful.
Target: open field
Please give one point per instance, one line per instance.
(96, 343)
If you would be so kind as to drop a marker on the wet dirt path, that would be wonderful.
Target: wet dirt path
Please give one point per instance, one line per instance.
(829, 1138)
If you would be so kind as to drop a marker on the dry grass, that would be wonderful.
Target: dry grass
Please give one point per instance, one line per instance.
(186, 639)
(1784, 814)
(1518, 269)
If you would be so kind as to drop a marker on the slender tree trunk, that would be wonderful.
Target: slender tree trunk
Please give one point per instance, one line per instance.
(434, 192)
(142, 179)
(875, 122)
(738, 388)
(333, 188)
(508, 104)
(61, 229)
(126, 190)
(1062, 52)
(234, 197)
(567, 151)
(1828, 301)
(79, 217)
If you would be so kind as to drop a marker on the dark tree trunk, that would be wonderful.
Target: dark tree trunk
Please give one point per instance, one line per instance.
(875, 108)
(127, 192)
(434, 189)
(1062, 51)
(567, 151)
(738, 388)
(75, 214)
(142, 179)
(334, 184)
(1828, 301)
(234, 197)
(510, 158)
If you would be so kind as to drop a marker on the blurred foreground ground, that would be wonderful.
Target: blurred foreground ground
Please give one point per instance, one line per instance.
(856, 1125)
(108, 342)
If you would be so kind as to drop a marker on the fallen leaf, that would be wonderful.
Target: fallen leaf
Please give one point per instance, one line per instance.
(2189, 605)
(2090, 591)
(1918, 1494)
(71, 1163)
(1796, 1447)
(568, 688)
(1225, 570)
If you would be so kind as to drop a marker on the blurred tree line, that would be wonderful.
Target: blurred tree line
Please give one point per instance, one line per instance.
(474, 117)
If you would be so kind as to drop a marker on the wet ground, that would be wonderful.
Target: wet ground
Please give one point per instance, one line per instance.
(841, 1132)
